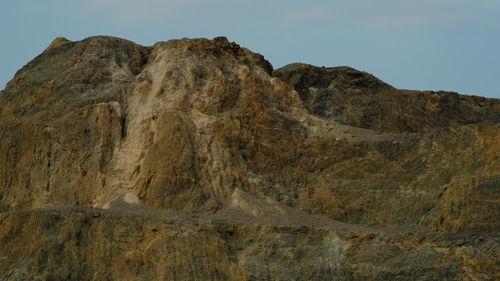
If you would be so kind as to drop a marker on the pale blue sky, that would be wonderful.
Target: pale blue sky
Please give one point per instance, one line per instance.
(425, 45)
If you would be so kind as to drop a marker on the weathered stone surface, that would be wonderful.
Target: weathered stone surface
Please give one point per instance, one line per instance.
(359, 99)
(278, 170)
(91, 244)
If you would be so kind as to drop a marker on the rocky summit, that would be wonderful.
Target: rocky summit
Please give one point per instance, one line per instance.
(194, 159)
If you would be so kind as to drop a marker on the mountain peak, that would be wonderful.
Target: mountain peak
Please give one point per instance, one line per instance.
(193, 160)
(56, 42)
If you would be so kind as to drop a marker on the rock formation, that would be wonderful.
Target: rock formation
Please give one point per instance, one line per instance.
(194, 160)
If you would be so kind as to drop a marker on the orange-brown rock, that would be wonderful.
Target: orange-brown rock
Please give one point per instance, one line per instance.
(194, 160)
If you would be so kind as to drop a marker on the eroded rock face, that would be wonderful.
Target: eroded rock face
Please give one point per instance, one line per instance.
(62, 119)
(207, 127)
(92, 244)
(359, 99)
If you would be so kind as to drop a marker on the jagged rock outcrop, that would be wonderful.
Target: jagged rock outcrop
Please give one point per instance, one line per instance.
(202, 163)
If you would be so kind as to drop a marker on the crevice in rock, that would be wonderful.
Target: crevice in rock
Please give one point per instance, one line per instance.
(123, 126)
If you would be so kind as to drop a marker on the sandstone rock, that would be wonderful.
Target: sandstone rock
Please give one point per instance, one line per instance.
(212, 166)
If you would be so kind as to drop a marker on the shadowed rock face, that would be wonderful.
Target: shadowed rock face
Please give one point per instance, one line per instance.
(211, 166)
(359, 99)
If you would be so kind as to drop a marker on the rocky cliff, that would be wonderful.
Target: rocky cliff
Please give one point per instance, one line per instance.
(195, 160)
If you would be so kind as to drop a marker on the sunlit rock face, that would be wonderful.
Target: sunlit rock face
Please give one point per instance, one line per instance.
(193, 159)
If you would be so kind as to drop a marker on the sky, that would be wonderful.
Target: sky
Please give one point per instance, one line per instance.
(451, 45)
